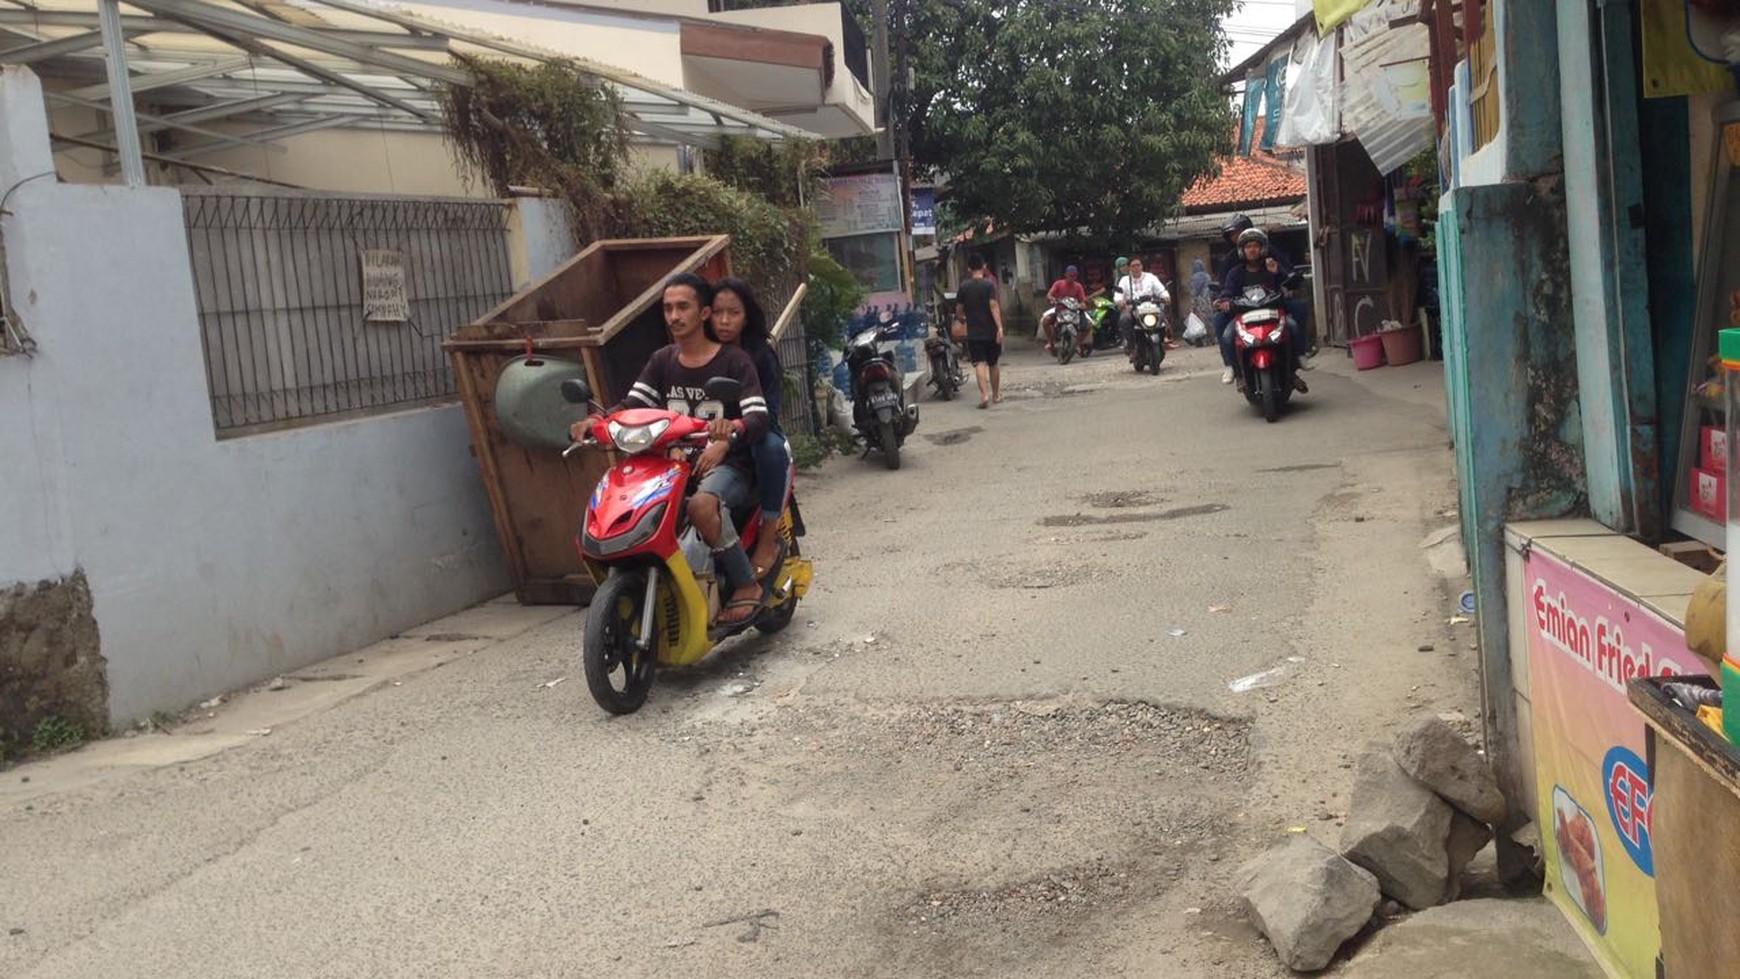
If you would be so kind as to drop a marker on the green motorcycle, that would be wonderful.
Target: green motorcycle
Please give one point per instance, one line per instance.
(1103, 315)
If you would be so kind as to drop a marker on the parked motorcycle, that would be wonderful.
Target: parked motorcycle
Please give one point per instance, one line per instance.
(658, 591)
(1148, 328)
(1103, 315)
(1263, 347)
(946, 374)
(879, 409)
(1074, 335)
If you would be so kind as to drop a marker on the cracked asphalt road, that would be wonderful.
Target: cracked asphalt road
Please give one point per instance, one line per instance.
(998, 740)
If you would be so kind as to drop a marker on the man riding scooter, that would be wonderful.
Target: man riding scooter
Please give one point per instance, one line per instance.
(675, 379)
(1258, 267)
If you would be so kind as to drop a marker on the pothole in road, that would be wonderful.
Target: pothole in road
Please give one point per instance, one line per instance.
(1046, 389)
(1087, 520)
(1120, 499)
(986, 733)
(1068, 891)
(998, 836)
(1111, 537)
(955, 437)
(1039, 575)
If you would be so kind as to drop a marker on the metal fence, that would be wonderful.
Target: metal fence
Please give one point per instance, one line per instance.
(281, 286)
(798, 412)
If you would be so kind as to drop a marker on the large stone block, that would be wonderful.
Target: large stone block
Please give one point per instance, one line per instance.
(1307, 899)
(1398, 829)
(1468, 836)
(1437, 757)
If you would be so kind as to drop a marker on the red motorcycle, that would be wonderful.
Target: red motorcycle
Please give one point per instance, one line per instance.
(1264, 348)
(658, 593)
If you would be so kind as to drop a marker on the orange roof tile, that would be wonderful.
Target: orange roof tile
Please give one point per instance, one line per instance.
(1259, 179)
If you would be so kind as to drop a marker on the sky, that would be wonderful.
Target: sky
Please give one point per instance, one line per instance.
(1255, 23)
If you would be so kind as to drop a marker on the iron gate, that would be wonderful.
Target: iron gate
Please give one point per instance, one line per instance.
(281, 291)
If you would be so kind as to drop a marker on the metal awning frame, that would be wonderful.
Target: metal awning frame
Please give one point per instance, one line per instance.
(375, 66)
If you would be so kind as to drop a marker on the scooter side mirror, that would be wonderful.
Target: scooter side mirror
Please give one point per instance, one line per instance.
(725, 390)
(576, 392)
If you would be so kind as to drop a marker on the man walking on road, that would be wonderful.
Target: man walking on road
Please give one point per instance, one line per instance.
(978, 299)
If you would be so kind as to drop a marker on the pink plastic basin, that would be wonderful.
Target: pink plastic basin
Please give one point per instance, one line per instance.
(1368, 352)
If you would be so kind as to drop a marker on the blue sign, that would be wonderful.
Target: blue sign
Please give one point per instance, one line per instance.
(924, 210)
(1628, 804)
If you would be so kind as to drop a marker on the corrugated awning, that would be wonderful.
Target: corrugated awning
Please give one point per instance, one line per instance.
(285, 67)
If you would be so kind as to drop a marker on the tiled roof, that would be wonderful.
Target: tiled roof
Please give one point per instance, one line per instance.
(1261, 178)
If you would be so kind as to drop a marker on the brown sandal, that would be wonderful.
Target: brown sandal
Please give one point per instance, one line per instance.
(750, 603)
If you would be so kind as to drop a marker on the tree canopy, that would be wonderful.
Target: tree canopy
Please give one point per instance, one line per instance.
(1074, 116)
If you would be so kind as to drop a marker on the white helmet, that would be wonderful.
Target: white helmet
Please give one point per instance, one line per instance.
(1253, 234)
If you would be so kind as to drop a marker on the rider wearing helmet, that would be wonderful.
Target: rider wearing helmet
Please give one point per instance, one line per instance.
(1258, 266)
(1229, 233)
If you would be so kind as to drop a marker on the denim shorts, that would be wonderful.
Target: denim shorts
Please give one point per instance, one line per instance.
(734, 487)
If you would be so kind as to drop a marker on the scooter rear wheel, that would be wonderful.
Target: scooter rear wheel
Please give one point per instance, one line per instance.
(890, 443)
(618, 673)
(780, 616)
(939, 372)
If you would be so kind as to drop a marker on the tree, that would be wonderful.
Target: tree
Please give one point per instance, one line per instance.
(1089, 117)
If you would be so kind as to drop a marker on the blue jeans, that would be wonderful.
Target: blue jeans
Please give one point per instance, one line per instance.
(772, 470)
(1223, 334)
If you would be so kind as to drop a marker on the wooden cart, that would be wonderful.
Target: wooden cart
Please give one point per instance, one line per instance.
(601, 309)
(1694, 827)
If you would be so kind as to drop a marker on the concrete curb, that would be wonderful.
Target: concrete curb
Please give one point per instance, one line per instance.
(254, 713)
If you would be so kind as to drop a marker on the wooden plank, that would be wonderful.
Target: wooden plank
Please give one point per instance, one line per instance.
(556, 591)
(481, 448)
(1712, 751)
(570, 335)
(1697, 864)
(646, 270)
(789, 315)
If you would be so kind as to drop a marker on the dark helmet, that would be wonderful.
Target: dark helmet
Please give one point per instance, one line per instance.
(1232, 228)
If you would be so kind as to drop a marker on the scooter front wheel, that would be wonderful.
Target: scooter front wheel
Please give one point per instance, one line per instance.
(618, 672)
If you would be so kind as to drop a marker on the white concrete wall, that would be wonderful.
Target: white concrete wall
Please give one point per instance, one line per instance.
(645, 46)
(353, 161)
(822, 19)
(211, 564)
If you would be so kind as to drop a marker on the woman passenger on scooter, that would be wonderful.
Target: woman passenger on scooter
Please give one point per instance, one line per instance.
(738, 320)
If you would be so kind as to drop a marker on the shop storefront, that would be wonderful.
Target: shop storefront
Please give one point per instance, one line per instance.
(1590, 253)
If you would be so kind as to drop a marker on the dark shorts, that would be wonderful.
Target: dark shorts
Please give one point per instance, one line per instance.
(984, 351)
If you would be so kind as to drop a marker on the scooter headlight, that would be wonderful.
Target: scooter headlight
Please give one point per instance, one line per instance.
(1150, 321)
(1246, 337)
(637, 438)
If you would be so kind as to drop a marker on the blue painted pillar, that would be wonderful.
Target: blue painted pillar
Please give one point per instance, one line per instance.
(1608, 274)
(1508, 352)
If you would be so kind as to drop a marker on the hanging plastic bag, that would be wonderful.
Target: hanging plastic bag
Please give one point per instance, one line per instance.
(1195, 329)
(1309, 114)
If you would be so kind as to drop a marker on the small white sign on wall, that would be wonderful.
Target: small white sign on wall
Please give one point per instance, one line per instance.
(385, 299)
